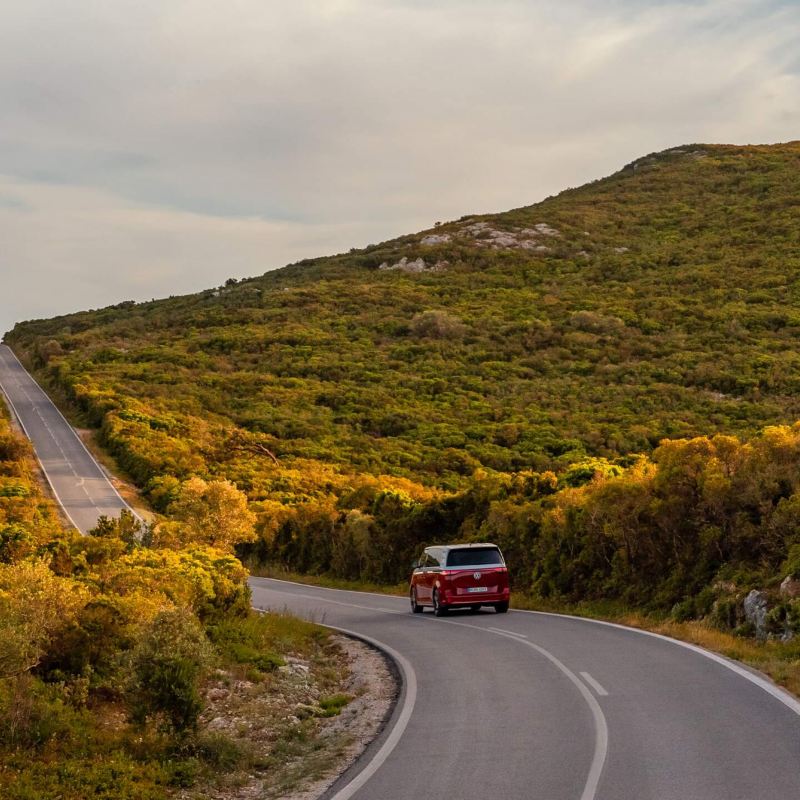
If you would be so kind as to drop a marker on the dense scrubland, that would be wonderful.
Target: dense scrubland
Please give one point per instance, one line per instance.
(113, 644)
(604, 383)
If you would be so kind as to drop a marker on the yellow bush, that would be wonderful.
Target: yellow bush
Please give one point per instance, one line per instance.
(35, 605)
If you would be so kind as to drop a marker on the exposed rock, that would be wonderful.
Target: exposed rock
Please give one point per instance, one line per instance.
(545, 230)
(435, 238)
(404, 265)
(418, 265)
(755, 612)
(485, 236)
(297, 665)
(474, 227)
(790, 587)
(621, 249)
(502, 239)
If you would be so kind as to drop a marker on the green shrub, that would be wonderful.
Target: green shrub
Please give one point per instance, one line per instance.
(218, 751)
(333, 705)
(167, 664)
(792, 564)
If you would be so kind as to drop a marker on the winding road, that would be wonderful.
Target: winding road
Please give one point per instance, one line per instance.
(77, 480)
(521, 706)
(530, 705)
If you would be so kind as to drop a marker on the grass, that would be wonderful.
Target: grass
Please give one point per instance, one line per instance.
(53, 750)
(333, 705)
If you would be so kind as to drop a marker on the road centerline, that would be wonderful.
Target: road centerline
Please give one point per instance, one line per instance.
(594, 684)
(599, 721)
(598, 717)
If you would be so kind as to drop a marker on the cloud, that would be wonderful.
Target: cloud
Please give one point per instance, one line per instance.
(67, 247)
(274, 128)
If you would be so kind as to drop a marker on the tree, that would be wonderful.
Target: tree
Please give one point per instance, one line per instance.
(215, 513)
(167, 664)
(35, 605)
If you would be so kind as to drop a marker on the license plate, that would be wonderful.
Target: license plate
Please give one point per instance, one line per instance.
(478, 589)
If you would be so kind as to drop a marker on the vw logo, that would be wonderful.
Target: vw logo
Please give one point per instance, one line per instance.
(476, 575)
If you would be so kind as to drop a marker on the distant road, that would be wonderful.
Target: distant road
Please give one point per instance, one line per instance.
(80, 485)
(529, 706)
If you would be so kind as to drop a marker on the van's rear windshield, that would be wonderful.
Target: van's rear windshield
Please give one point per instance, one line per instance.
(475, 557)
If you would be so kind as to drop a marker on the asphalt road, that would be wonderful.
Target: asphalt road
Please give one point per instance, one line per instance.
(528, 705)
(80, 485)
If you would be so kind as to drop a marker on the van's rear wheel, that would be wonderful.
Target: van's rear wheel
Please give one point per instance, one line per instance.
(416, 608)
(438, 608)
(501, 608)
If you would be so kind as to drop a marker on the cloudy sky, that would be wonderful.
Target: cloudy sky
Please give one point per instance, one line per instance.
(156, 147)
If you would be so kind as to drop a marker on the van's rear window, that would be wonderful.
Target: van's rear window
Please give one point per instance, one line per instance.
(475, 557)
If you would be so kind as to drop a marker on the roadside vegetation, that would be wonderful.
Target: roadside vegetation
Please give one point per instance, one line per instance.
(132, 667)
(604, 383)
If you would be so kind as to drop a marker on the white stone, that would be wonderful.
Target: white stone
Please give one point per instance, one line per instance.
(755, 612)
(435, 238)
(790, 587)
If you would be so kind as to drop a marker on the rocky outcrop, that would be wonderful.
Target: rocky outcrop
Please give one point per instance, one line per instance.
(520, 239)
(755, 612)
(417, 265)
(790, 587)
(435, 238)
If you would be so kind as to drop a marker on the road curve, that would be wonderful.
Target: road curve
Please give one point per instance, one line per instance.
(79, 484)
(529, 705)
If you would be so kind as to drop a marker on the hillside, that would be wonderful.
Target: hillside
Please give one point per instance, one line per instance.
(129, 669)
(662, 301)
(377, 399)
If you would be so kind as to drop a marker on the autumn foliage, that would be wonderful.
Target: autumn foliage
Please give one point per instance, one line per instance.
(613, 405)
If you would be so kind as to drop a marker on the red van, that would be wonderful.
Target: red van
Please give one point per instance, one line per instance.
(460, 576)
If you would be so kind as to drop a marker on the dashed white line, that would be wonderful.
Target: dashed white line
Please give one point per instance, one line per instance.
(600, 725)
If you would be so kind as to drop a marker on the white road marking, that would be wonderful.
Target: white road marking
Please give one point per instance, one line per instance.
(510, 633)
(46, 397)
(600, 725)
(763, 683)
(408, 702)
(44, 471)
(341, 602)
(393, 739)
(594, 684)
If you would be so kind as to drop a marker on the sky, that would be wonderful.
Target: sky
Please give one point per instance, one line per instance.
(159, 147)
